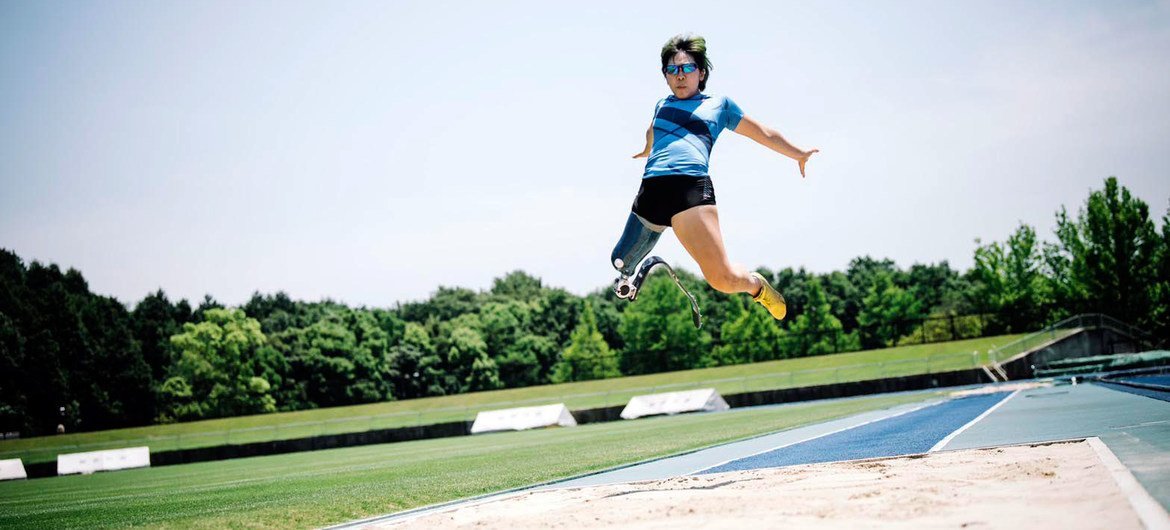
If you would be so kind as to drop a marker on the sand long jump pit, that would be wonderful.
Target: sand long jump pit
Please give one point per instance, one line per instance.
(1056, 485)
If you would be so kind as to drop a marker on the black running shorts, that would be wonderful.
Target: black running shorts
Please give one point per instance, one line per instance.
(660, 198)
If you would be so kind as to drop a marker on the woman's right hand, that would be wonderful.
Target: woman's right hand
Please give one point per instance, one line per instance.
(804, 158)
(645, 153)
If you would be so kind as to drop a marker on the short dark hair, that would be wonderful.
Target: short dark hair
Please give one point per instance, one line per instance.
(695, 46)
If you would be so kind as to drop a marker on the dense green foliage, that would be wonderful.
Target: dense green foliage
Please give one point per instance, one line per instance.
(587, 356)
(72, 358)
(223, 368)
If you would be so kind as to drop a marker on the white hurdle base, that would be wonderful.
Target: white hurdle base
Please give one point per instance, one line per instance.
(109, 460)
(12, 469)
(522, 418)
(702, 400)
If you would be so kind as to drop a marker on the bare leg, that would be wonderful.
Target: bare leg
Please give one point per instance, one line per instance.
(698, 230)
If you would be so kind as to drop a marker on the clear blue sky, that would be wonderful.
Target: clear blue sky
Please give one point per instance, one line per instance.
(371, 151)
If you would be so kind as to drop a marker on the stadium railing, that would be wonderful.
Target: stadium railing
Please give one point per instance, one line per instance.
(1064, 328)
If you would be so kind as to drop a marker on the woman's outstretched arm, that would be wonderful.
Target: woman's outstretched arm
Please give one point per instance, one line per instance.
(772, 140)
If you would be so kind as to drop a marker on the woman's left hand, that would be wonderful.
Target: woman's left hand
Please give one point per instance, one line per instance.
(804, 158)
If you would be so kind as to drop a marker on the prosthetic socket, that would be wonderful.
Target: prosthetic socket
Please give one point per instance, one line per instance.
(637, 240)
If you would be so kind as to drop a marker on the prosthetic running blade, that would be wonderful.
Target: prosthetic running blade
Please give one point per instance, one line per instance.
(626, 287)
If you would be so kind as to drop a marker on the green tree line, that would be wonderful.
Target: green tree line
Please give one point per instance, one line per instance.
(73, 358)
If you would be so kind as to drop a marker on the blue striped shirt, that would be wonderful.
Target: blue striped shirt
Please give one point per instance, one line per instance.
(685, 130)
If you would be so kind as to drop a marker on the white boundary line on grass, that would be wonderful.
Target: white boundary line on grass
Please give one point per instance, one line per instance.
(843, 429)
(415, 513)
(942, 443)
(1148, 509)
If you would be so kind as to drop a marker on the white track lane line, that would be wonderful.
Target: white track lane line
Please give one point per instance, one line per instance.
(843, 429)
(942, 443)
(1151, 513)
(381, 521)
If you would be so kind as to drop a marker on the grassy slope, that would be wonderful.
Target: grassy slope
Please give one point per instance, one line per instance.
(323, 487)
(786, 373)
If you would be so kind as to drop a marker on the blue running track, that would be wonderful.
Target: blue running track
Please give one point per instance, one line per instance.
(1158, 380)
(911, 433)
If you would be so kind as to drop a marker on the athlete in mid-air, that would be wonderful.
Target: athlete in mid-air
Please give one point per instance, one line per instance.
(676, 189)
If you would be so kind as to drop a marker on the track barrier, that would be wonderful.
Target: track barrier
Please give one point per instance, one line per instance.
(109, 460)
(701, 400)
(523, 418)
(12, 469)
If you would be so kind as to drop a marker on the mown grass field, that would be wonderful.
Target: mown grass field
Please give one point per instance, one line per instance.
(318, 488)
(788, 373)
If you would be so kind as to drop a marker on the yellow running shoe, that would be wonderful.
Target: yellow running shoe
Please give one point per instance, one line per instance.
(770, 298)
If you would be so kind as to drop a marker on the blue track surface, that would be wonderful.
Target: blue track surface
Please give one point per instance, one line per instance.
(1159, 380)
(911, 433)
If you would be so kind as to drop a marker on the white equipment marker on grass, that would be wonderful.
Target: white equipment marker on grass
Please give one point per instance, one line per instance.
(523, 418)
(12, 469)
(701, 400)
(843, 429)
(108, 460)
(942, 443)
(1151, 513)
